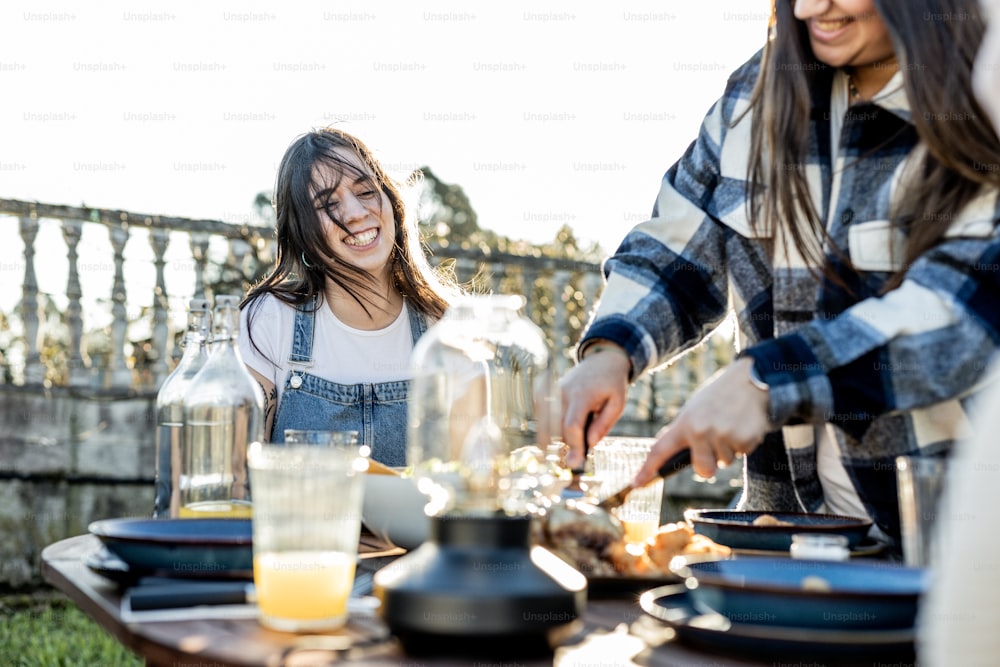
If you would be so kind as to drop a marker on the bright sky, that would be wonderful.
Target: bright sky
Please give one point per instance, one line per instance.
(546, 113)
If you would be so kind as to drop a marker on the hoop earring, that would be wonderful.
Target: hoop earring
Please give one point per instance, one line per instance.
(305, 262)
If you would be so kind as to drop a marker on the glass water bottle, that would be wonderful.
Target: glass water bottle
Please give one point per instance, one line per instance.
(170, 408)
(483, 397)
(223, 413)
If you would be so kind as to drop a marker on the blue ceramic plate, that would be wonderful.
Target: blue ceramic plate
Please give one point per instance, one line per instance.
(672, 606)
(852, 595)
(195, 548)
(735, 528)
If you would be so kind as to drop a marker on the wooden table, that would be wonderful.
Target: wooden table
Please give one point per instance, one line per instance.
(613, 632)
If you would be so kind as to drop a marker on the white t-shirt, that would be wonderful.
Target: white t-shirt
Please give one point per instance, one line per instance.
(340, 353)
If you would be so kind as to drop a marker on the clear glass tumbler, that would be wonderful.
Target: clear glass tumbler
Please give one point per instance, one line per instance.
(616, 461)
(919, 481)
(306, 525)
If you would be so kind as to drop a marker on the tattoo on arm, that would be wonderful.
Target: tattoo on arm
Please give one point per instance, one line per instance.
(270, 405)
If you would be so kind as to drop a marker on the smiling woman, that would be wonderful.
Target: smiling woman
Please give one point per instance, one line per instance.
(328, 333)
(835, 199)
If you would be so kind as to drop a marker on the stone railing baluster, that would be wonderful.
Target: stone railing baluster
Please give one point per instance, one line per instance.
(591, 285)
(159, 239)
(72, 231)
(500, 278)
(199, 250)
(120, 375)
(560, 320)
(238, 251)
(561, 293)
(529, 278)
(34, 372)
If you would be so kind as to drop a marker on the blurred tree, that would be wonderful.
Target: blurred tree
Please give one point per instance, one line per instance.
(448, 218)
(445, 212)
(264, 209)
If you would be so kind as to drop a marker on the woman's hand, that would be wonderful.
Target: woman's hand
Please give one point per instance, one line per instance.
(598, 385)
(726, 416)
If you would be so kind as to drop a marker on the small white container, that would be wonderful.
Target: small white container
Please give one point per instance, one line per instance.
(813, 546)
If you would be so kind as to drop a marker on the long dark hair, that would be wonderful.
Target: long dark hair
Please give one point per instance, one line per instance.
(936, 57)
(305, 260)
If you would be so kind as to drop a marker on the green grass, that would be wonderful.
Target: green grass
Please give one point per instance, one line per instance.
(46, 630)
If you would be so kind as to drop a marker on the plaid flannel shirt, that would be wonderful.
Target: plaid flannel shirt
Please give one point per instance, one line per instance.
(894, 372)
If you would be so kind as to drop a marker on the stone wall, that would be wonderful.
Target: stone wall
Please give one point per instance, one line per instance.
(67, 460)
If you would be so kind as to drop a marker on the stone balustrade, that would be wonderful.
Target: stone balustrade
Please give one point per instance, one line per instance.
(81, 360)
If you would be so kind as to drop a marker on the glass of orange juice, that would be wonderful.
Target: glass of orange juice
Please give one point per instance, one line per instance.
(306, 524)
(616, 462)
(216, 509)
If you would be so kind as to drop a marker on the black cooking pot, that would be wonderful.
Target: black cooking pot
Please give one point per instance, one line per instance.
(479, 587)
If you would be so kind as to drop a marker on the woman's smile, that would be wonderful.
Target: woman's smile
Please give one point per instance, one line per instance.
(363, 239)
(827, 30)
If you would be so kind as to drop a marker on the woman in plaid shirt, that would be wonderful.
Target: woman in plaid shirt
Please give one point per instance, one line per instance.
(842, 199)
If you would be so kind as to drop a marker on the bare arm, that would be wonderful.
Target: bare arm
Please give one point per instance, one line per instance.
(270, 400)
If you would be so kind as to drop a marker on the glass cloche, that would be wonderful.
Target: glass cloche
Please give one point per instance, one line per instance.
(483, 395)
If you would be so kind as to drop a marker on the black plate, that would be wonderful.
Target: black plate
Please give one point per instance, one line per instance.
(826, 595)
(110, 566)
(190, 548)
(735, 529)
(867, 547)
(672, 606)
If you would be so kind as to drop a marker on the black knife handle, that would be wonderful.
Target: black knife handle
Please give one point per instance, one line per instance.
(586, 445)
(675, 463)
(143, 598)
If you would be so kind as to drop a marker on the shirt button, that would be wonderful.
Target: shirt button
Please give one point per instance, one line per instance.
(847, 216)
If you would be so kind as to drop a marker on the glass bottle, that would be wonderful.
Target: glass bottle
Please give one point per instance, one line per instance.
(482, 392)
(170, 408)
(223, 413)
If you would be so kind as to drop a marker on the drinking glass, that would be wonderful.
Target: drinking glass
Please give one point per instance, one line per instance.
(919, 480)
(328, 438)
(306, 525)
(616, 462)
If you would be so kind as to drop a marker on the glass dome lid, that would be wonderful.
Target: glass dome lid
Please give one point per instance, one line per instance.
(482, 389)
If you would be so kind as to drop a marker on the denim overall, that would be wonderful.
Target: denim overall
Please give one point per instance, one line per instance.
(376, 411)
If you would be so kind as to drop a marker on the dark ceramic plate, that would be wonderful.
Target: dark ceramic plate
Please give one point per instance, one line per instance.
(110, 566)
(866, 547)
(829, 595)
(190, 548)
(672, 606)
(734, 528)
